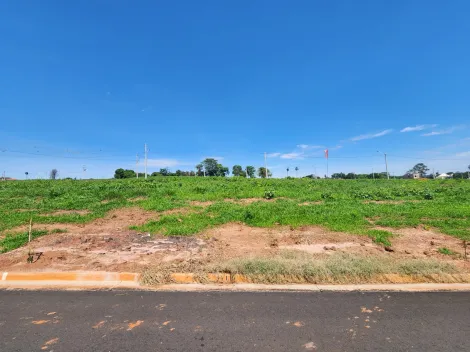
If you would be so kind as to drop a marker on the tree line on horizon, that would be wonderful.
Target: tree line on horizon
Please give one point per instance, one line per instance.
(208, 167)
(211, 167)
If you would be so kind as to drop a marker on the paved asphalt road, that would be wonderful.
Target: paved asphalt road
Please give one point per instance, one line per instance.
(230, 321)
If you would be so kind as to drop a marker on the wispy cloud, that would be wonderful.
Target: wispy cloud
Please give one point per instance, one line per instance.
(292, 156)
(309, 147)
(273, 155)
(444, 131)
(418, 128)
(335, 148)
(371, 135)
(463, 154)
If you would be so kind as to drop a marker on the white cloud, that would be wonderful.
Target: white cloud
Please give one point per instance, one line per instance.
(273, 155)
(163, 162)
(445, 131)
(335, 148)
(371, 135)
(463, 154)
(306, 146)
(417, 128)
(292, 156)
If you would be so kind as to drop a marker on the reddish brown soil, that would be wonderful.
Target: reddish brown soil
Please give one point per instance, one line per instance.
(108, 244)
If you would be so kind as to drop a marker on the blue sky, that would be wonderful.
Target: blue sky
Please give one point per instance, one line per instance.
(89, 82)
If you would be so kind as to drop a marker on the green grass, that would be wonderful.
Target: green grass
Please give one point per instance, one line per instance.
(14, 241)
(440, 204)
(446, 251)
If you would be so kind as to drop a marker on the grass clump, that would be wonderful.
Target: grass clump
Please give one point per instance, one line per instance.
(446, 251)
(14, 241)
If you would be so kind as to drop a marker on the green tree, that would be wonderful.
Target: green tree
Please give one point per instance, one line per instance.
(237, 170)
(296, 171)
(53, 174)
(119, 173)
(420, 169)
(164, 172)
(250, 171)
(213, 168)
(200, 170)
(287, 172)
(262, 172)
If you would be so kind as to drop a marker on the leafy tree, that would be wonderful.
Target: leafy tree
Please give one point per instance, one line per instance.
(200, 171)
(296, 171)
(121, 173)
(350, 176)
(250, 171)
(222, 170)
(262, 172)
(213, 168)
(287, 172)
(53, 174)
(338, 175)
(237, 170)
(165, 172)
(420, 169)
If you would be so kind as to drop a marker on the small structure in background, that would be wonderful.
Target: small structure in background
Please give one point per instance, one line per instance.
(443, 176)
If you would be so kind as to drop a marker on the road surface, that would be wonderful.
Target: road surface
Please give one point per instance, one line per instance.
(231, 321)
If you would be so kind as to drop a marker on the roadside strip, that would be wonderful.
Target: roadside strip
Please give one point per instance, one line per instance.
(189, 282)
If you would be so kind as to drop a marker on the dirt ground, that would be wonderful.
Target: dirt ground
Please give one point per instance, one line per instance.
(108, 244)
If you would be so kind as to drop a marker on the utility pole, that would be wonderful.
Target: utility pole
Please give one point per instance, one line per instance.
(386, 164)
(373, 175)
(265, 166)
(146, 152)
(137, 165)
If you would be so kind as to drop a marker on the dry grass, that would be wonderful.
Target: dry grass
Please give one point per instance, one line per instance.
(299, 267)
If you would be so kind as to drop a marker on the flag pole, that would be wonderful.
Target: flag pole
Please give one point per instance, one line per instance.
(326, 156)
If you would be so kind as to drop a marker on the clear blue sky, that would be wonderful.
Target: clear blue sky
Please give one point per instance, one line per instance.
(89, 82)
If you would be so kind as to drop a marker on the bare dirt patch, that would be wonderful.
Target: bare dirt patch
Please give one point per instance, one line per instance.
(108, 244)
(419, 243)
(67, 212)
(311, 203)
(137, 199)
(197, 203)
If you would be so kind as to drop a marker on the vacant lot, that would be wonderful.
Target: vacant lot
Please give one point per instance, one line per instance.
(270, 230)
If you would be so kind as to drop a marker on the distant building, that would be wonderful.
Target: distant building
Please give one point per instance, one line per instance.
(443, 176)
(412, 176)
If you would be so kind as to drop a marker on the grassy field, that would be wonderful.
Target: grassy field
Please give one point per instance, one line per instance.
(339, 205)
(373, 208)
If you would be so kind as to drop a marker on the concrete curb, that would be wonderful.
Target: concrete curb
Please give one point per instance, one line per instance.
(192, 282)
(312, 288)
(74, 278)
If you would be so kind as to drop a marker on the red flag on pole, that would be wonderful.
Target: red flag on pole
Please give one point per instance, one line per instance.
(326, 153)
